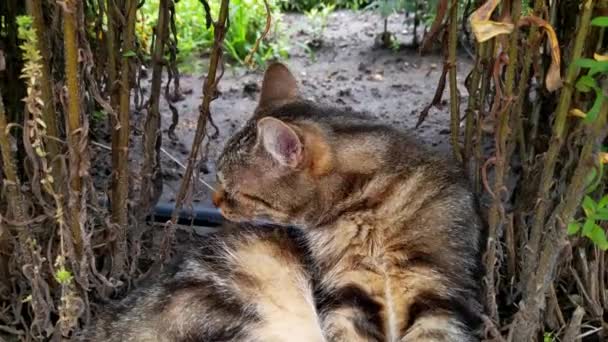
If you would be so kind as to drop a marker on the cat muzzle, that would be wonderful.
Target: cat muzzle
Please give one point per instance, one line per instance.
(218, 197)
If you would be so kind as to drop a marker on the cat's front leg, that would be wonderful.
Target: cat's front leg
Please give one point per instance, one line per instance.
(437, 313)
(438, 328)
(348, 325)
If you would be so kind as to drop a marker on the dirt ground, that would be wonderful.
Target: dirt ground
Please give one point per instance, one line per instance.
(348, 70)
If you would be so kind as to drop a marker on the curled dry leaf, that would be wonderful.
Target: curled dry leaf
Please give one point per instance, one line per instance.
(554, 79)
(596, 56)
(485, 29)
(578, 113)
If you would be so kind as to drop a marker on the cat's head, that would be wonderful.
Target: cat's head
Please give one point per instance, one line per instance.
(273, 168)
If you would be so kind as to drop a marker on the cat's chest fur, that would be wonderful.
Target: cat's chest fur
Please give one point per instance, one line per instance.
(366, 254)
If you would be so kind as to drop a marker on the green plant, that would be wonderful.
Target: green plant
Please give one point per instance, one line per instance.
(587, 82)
(247, 21)
(98, 116)
(594, 211)
(307, 5)
(387, 7)
(309, 51)
(317, 17)
(299, 5)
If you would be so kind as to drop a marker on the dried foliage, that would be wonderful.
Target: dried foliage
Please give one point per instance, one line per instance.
(534, 143)
(61, 252)
(543, 177)
(545, 158)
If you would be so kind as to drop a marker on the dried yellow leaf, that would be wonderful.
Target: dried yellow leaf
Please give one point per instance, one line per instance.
(554, 79)
(600, 58)
(604, 157)
(40, 122)
(485, 29)
(577, 112)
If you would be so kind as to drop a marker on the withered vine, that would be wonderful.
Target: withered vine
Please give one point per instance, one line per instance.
(62, 251)
(543, 177)
(531, 133)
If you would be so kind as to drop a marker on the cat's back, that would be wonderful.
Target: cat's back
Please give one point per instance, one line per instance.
(231, 286)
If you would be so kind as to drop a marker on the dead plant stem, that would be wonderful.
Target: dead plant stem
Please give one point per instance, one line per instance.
(525, 324)
(73, 119)
(454, 98)
(502, 134)
(473, 104)
(209, 88)
(48, 111)
(152, 133)
(557, 140)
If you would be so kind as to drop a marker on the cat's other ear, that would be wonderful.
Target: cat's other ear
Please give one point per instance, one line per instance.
(280, 141)
(278, 85)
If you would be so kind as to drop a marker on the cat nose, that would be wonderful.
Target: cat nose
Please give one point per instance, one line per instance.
(218, 197)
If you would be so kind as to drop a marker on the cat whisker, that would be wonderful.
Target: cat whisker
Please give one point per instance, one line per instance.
(184, 167)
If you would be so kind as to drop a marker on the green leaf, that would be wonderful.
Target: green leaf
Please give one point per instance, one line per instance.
(588, 228)
(597, 105)
(603, 202)
(588, 206)
(601, 214)
(129, 54)
(600, 66)
(594, 178)
(573, 228)
(63, 276)
(598, 236)
(586, 63)
(593, 66)
(600, 21)
(585, 84)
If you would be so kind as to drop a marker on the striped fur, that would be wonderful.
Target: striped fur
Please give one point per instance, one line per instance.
(393, 228)
(251, 284)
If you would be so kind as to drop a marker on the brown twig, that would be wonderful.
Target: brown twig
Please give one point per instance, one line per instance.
(574, 327)
(120, 141)
(152, 133)
(502, 108)
(481, 114)
(73, 120)
(557, 139)
(249, 58)
(454, 96)
(436, 98)
(526, 319)
(47, 88)
(13, 195)
(437, 25)
(209, 89)
(473, 103)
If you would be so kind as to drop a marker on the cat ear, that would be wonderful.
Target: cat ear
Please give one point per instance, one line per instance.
(279, 84)
(280, 141)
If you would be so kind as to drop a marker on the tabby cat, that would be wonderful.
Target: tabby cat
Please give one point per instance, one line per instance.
(253, 285)
(393, 229)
